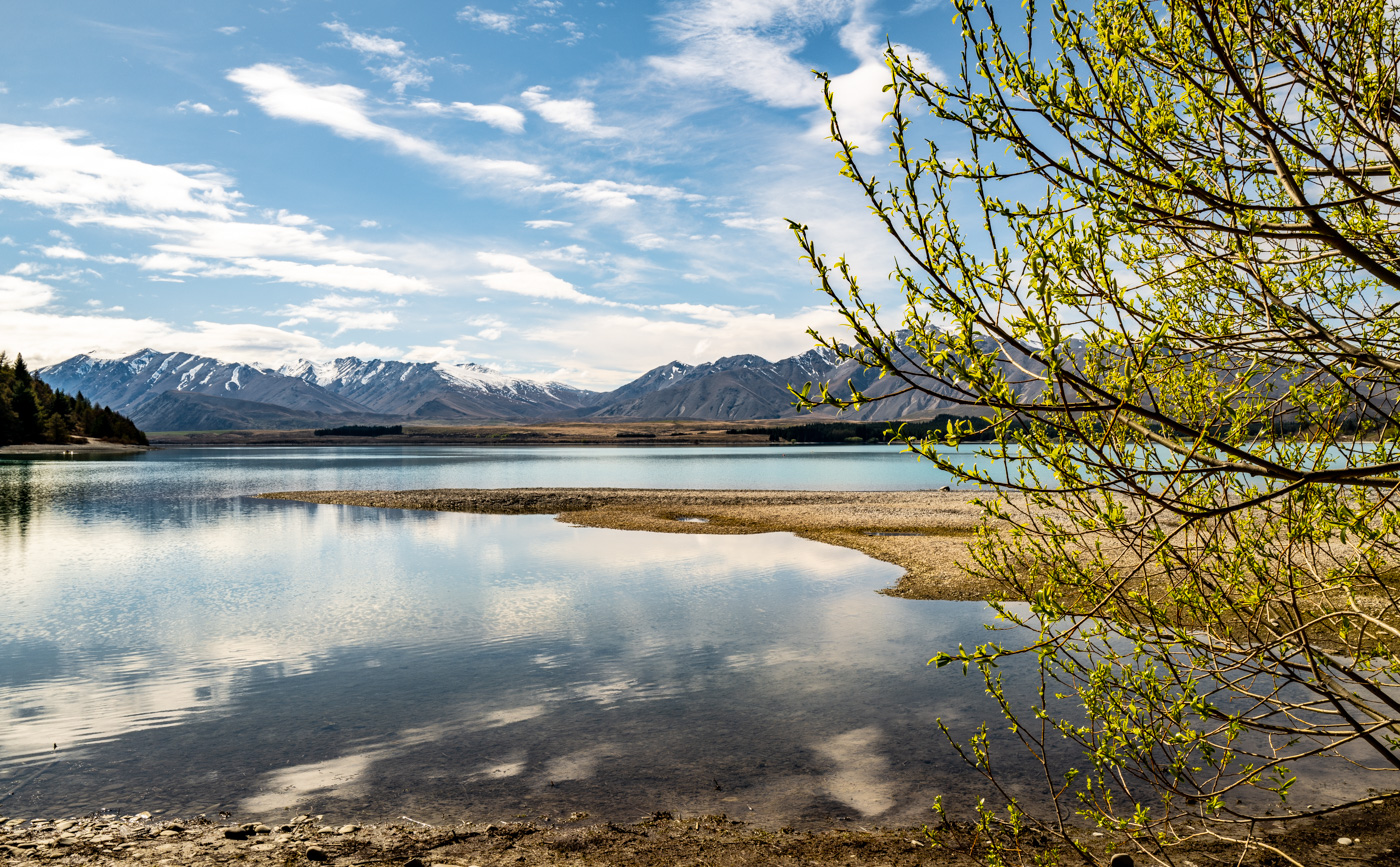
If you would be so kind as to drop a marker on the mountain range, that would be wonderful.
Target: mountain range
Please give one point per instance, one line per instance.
(177, 391)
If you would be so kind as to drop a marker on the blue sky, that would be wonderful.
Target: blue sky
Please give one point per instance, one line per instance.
(565, 190)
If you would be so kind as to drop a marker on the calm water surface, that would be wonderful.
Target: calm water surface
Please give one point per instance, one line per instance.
(167, 642)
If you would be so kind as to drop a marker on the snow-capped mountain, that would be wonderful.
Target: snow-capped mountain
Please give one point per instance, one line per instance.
(731, 388)
(179, 391)
(128, 384)
(421, 390)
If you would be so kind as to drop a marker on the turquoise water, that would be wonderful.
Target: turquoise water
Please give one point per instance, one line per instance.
(168, 642)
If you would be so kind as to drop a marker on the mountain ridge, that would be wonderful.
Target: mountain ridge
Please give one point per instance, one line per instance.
(182, 392)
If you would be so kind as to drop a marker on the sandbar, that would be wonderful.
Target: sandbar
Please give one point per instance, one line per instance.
(924, 532)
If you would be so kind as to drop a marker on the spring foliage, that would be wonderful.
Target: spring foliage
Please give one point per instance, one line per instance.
(1185, 214)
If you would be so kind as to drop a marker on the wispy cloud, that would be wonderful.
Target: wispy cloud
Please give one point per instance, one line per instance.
(535, 17)
(64, 103)
(501, 22)
(228, 30)
(346, 313)
(748, 45)
(17, 293)
(386, 58)
(615, 194)
(200, 225)
(575, 115)
(503, 117)
(202, 108)
(518, 276)
(343, 109)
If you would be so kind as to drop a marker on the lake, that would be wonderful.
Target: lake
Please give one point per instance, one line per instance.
(169, 643)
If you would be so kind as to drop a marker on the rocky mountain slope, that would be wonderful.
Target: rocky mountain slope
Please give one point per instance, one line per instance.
(178, 391)
(411, 391)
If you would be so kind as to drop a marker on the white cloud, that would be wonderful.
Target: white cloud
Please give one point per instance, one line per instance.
(748, 45)
(198, 222)
(369, 224)
(64, 252)
(692, 333)
(228, 30)
(501, 22)
(365, 43)
(341, 108)
(17, 293)
(752, 46)
(518, 276)
(648, 241)
(757, 224)
(44, 167)
(406, 70)
(502, 117)
(548, 224)
(48, 338)
(203, 108)
(64, 103)
(3, 88)
(575, 115)
(614, 194)
(354, 277)
(348, 314)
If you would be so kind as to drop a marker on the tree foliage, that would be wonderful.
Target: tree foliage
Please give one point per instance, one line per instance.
(1185, 214)
(32, 412)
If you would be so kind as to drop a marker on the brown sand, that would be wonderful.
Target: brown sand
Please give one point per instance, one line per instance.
(925, 532)
(79, 448)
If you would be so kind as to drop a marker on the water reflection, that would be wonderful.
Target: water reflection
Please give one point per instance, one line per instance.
(189, 649)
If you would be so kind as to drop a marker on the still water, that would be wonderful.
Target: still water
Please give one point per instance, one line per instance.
(168, 642)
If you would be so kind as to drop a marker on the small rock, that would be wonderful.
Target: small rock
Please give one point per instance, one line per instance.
(316, 853)
(169, 833)
(262, 847)
(1344, 841)
(235, 834)
(174, 826)
(413, 862)
(347, 829)
(261, 829)
(301, 820)
(286, 829)
(325, 829)
(103, 838)
(65, 825)
(142, 816)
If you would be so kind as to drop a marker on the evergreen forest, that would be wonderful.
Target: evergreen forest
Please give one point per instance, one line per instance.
(32, 412)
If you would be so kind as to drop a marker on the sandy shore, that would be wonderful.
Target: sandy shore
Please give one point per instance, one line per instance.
(83, 448)
(925, 532)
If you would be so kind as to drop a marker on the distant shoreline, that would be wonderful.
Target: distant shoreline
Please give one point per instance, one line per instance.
(750, 432)
(924, 532)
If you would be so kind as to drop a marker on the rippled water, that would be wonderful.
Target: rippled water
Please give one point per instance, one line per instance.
(167, 642)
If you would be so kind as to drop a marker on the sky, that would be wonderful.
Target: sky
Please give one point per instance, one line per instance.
(565, 190)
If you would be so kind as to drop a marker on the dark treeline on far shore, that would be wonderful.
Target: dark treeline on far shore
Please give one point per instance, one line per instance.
(32, 412)
(360, 430)
(863, 431)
